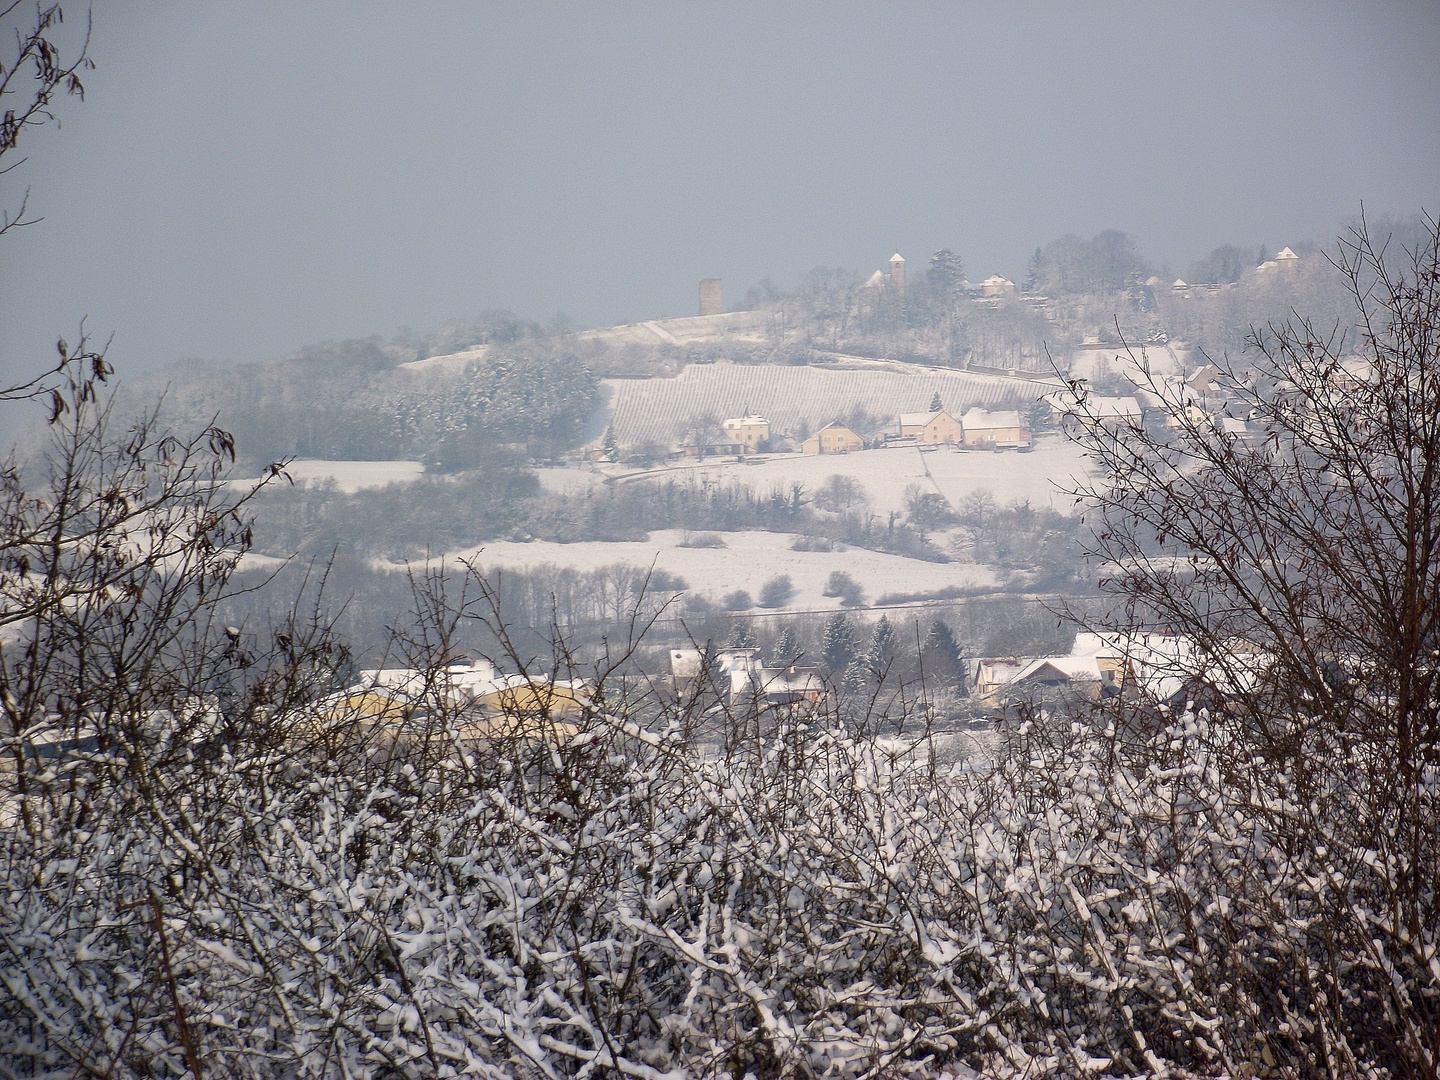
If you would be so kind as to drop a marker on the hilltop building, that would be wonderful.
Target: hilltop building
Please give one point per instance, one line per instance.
(897, 272)
(710, 302)
(1284, 261)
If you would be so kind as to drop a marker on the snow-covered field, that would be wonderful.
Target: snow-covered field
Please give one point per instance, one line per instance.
(1038, 476)
(749, 560)
(352, 476)
(658, 409)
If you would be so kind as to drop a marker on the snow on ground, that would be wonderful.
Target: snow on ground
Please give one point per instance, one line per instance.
(1038, 476)
(749, 560)
(450, 363)
(660, 409)
(568, 481)
(254, 562)
(352, 476)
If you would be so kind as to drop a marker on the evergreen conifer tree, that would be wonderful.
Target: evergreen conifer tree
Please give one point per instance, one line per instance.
(837, 645)
(941, 653)
(935, 405)
(946, 272)
(1032, 271)
(787, 647)
(742, 636)
(881, 652)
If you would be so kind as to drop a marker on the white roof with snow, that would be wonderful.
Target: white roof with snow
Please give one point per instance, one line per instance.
(1285, 255)
(916, 419)
(1114, 406)
(1076, 668)
(897, 257)
(984, 420)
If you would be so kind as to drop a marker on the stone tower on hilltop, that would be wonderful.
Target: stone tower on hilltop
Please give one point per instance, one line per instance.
(897, 272)
(710, 303)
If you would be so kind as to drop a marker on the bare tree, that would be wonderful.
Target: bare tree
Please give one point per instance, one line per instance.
(1288, 551)
(33, 72)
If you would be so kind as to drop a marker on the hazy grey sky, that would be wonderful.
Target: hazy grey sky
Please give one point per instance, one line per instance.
(248, 178)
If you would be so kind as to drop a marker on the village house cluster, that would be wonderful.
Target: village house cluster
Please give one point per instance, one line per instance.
(1203, 395)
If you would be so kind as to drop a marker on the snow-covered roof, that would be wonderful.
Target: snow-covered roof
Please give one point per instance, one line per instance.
(875, 280)
(685, 663)
(1179, 283)
(897, 257)
(747, 420)
(1081, 668)
(1286, 255)
(997, 279)
(1114, 406)
(916, 419)
(978, 419)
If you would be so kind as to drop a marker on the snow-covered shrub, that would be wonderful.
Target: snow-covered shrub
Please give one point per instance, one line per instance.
(810, 903)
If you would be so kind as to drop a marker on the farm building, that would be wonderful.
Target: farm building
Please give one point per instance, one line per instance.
(749, 431)
(931, 428)
(748, 678)
(986, 429)
(1115, 412)
(702, 448)
(1111, 412)
(913, 423)
(833, 439)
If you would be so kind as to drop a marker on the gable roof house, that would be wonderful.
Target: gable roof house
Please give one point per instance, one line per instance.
(749, 431)
(746, 678)
(1111, 412)
(1094, 669)
(994, 430)
(931, 428)
(833, 439)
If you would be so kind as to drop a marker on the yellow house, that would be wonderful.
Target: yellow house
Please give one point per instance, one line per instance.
(484, 709)
(934, 429)
(986, 429)
(833, 439)
(748, 431)
(532, 698)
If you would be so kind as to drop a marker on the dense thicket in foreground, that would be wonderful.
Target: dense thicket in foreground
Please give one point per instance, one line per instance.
(216, 862)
